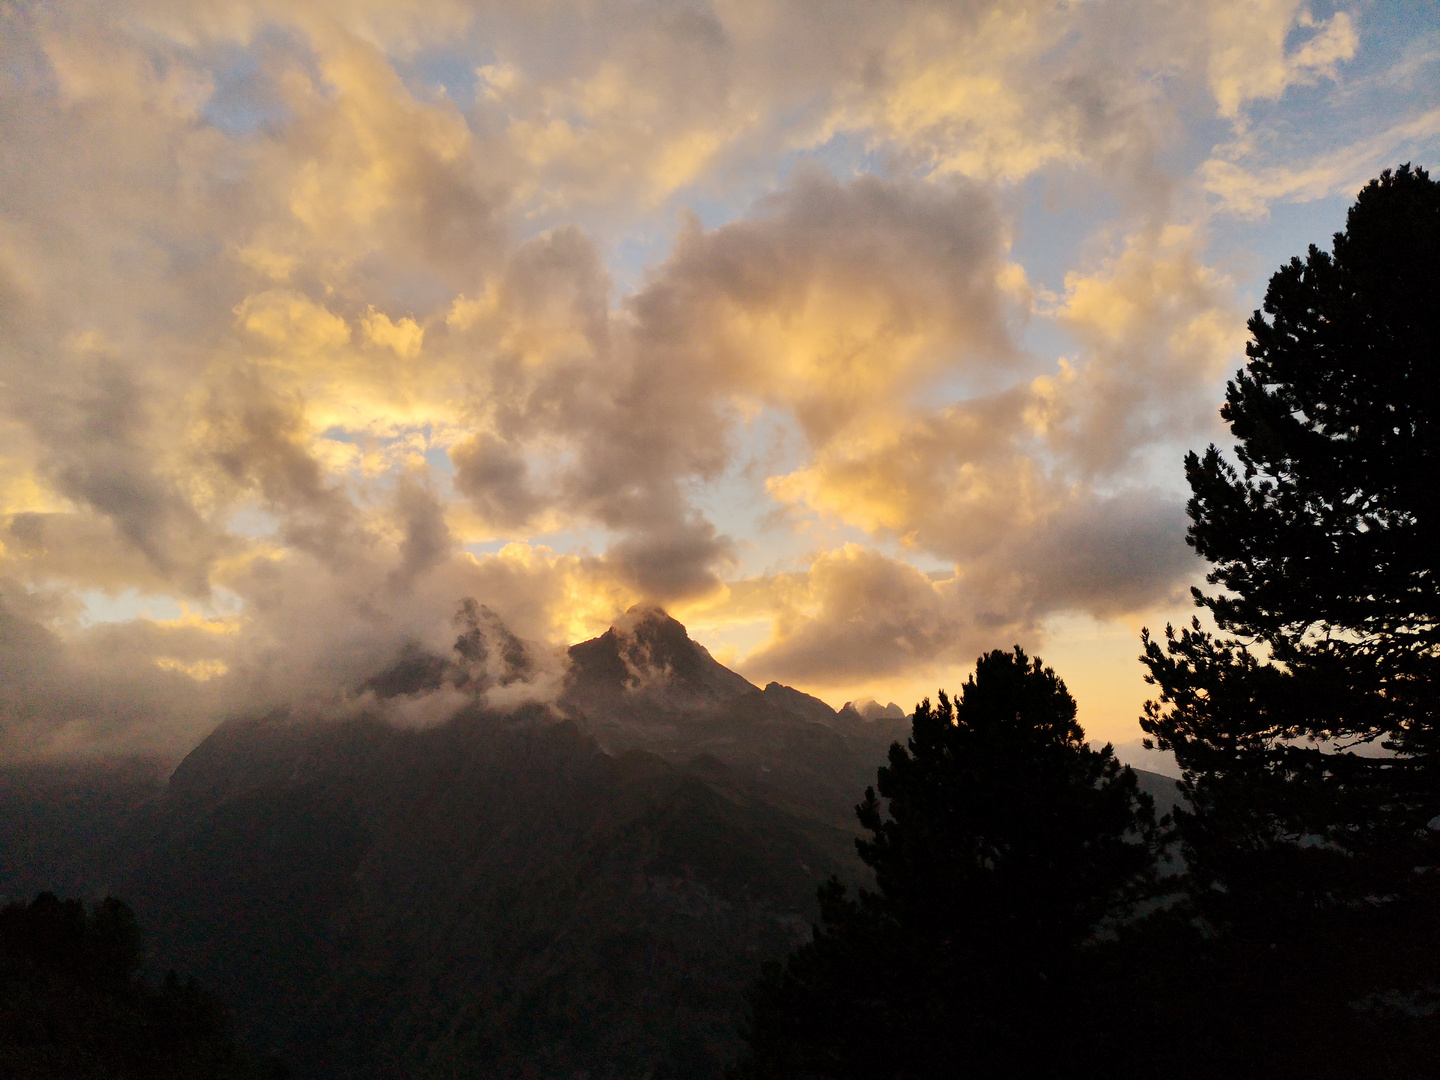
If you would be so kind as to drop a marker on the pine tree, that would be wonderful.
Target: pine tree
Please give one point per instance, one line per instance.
(1000, 843)
(1326, 542)
(71, 1004)
(1306, 726)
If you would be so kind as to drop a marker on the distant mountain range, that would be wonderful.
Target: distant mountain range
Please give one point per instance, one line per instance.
(578, 888)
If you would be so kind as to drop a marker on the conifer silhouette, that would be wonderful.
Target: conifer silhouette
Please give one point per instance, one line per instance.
(1306, 726)
(1000, 842)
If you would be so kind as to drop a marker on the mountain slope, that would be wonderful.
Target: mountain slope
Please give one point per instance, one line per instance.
(584, 890)
(646, 685)
(495, 891)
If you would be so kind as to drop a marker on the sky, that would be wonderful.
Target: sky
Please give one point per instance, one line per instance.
(862, 337)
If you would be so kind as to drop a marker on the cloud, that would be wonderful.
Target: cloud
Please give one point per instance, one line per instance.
(998, 92)
(854, 615)
(1035, 492)
(857, 614)
(82, 548)
(494, 475)
(1249, 192)
(1103, 556)
(301, 303)
(580, 422)
(99, 452)
(1156, 326)
(307, 640)
(832, 301)
(256, 442)
(426, 541)
(108, 689)
(677, 562)
(835, 300)
(1249, 59)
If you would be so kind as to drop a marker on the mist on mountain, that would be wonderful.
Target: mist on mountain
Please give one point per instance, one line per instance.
(870, 709)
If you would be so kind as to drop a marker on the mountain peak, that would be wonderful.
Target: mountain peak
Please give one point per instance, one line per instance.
(646, 615)
(870, 709)
(648, 653)
(799, 703)
(654, 637)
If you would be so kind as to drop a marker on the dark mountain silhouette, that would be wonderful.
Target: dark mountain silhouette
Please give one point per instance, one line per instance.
(71, 1006)
(644, 685)
(68, 827)
(578, 889)
(870, 709)
(801, 704)
(648, 659)
(496, 891)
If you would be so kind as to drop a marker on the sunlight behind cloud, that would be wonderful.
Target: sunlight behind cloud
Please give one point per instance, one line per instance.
(333, 311)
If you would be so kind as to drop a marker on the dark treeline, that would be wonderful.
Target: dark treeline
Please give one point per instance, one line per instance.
(73, 1008)
(1029, 915)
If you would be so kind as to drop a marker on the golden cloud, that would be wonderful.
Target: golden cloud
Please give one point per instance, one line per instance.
(248, 311)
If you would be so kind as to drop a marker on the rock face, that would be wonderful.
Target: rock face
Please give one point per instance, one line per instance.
(577, 889)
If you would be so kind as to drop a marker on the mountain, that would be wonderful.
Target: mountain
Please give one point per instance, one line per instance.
(68, 826)
(496, 891)
(645, 685)
(583, 888)
(646, 666)
(870, 709)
